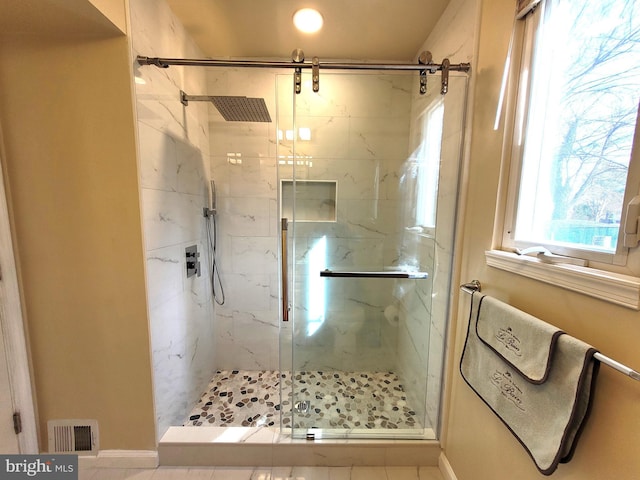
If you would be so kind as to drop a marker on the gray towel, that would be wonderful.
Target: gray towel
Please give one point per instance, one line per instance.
(534, 377)
(523, 341)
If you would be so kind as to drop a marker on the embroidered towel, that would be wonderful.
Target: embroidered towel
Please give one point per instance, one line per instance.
(534, 377)
(523, 341)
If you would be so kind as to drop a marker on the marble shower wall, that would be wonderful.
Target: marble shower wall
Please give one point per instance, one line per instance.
(363, 136)
(243, 166)
(173, 164)
(453, 39)
(423, 313)
(359, 127)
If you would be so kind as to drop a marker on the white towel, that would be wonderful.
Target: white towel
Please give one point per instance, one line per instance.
(534, 377)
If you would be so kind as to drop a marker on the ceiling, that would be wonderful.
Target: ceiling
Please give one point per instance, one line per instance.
(364, 30)
(53, 17)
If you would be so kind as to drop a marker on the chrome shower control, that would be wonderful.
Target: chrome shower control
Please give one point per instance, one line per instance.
(193, 265)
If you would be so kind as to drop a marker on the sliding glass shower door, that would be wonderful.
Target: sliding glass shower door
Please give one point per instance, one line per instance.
(360, 166)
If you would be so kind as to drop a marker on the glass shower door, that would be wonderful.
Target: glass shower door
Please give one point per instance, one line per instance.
(358, 167)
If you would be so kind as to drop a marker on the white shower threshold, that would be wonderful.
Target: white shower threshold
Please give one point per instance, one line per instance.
(262, 446)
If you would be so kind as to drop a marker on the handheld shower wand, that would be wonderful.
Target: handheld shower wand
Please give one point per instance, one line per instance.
(211, 211)
(210, 214)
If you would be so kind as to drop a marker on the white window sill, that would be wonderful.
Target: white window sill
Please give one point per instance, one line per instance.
(612, 287)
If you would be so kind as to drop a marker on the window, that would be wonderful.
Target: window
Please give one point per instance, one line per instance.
(576, 76)
(428, 158)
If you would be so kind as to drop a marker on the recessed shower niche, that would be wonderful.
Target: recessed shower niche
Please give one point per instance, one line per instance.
(315, 200)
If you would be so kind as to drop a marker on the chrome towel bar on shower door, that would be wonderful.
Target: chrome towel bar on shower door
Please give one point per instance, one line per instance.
(475, 286)
(392, 274)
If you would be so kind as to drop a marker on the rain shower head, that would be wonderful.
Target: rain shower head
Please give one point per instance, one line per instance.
(233, 108)
(242, 109)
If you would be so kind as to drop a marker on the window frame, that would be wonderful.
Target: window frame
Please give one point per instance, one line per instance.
(517, 107)
(613, 277)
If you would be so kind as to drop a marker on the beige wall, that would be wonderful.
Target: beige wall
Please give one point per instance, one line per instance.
(67, 115)
(477, 445)
(114, 10)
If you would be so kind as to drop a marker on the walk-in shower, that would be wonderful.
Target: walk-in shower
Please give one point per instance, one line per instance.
(335, 224)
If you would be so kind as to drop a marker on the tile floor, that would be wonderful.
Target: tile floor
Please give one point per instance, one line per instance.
(329, 399)
(246, 398)
(257, 473)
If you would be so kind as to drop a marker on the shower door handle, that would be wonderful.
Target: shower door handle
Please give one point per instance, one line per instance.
(389, 274)
(285, 270)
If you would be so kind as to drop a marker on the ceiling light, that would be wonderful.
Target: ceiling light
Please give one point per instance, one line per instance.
(307, 20)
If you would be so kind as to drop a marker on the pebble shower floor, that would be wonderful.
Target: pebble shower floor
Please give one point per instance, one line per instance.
(245, 398)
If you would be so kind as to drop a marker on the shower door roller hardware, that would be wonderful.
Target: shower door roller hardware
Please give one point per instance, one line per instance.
(193, 265)
(315, 74)
(446, 64)
(297, 56)
(425, 59)
(298, 64)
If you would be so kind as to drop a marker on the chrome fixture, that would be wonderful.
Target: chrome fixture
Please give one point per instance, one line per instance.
(298, 63)
(193, 264)
(233, 108)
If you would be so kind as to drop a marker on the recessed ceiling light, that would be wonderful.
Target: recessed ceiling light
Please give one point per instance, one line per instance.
(307, 20)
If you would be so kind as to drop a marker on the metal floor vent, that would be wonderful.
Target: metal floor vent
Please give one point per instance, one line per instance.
(242, 109)
(73, 436)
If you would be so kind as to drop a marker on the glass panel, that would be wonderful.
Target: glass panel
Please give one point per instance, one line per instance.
(364, 362)
(582, 114)
(315, 201)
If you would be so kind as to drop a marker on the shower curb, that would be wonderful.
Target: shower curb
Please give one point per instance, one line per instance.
(220, 449)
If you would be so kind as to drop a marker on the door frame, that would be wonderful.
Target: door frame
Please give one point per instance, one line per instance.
(13, 329)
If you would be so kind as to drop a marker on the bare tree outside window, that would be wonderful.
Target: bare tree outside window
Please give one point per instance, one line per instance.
(585, 94)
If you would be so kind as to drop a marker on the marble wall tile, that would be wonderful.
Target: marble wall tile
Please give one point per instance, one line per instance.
(423, 334)
(254, 255)
(366, 158)
(331, 100)
(328, 136)
(452, 37)
(164, 274)
(251, 139)
(378, 137)
(244, 216)
(244, 186)
(248, 291)
(356, 95)
(174, 173)
(246, 339)
(446, 214)
(257, 83)
(181, 326)
(372, 217)
(170, 218)
(158, 103)
(191, 172)
(159, 170)
(253, 177)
